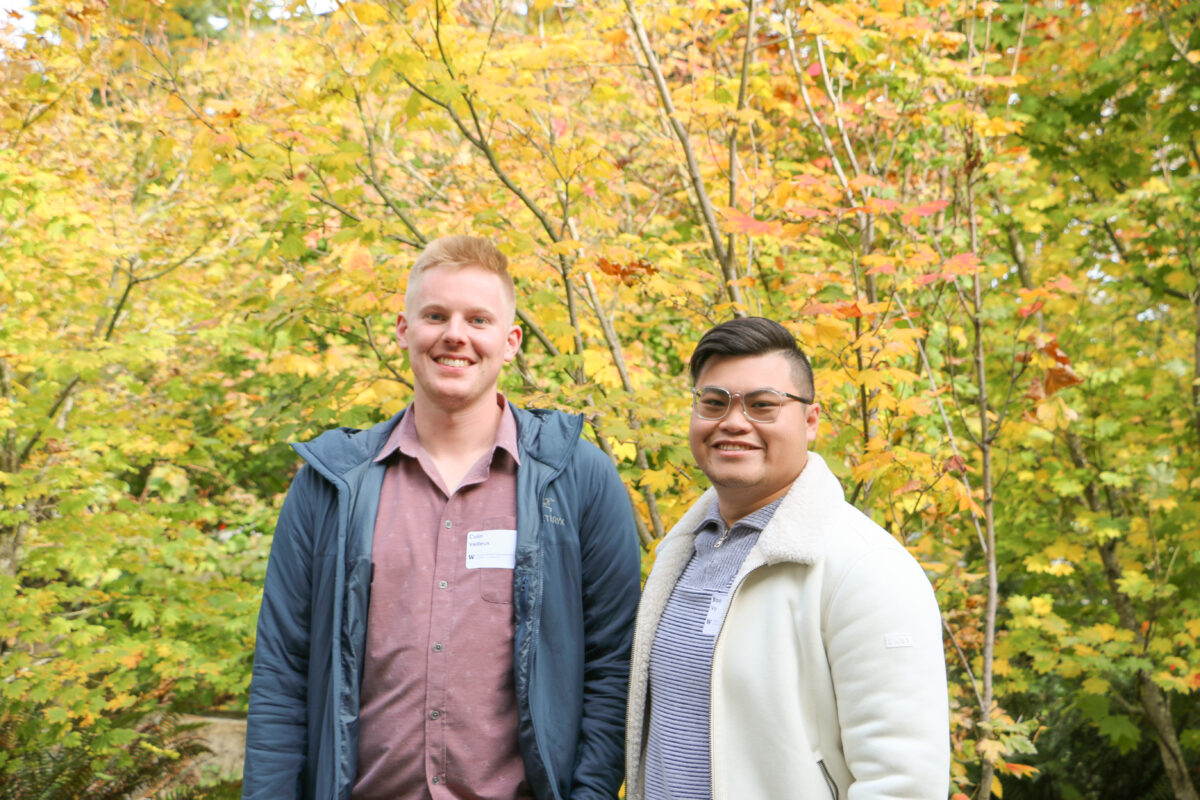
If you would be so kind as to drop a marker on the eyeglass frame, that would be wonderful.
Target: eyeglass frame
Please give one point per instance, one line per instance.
(741, 396)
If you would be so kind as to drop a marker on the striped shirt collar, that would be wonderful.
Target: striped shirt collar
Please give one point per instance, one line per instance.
(754, 521)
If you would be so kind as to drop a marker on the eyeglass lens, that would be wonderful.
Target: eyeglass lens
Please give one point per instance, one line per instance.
(761, 405)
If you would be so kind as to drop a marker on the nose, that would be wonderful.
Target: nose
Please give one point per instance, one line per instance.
(454, 330)
(735, 419)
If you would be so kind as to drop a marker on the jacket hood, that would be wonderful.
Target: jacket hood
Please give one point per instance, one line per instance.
(547, 436)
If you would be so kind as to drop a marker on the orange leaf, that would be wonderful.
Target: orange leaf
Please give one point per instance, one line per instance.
(860, 182)
(961, 264)
(737, 222)
(814, 307)
(848, 310)
(1020, 770)
(1061, 378)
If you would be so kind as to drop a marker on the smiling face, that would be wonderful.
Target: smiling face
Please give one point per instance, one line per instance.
(458, 329)
(749, 463)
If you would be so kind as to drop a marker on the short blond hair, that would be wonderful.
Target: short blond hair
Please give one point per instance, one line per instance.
(461, 252)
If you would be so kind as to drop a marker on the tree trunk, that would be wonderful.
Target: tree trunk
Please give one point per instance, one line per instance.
(1159, 714)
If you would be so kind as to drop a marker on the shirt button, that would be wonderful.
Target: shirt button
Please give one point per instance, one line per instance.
(442, 584)
(436, 779)
(437, 648)
(449, 524)
(434, 714)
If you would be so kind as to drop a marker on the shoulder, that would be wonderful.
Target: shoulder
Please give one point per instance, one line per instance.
(339, 450)
(815, 524)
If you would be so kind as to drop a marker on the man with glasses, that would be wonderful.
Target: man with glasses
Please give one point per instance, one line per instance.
(786, 646)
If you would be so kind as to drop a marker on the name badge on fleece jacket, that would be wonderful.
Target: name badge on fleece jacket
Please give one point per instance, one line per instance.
(492, 549)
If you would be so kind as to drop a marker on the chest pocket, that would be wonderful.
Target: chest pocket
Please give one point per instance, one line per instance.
(495, 545)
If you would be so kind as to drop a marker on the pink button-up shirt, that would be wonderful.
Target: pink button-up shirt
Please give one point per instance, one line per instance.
(439, 708)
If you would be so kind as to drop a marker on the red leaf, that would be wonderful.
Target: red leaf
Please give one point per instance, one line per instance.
(923, 210)
(814, 69)
(1025, 311)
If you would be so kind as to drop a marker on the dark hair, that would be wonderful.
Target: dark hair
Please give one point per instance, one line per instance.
(751, 336)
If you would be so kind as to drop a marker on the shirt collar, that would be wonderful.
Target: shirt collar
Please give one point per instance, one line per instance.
(754, 521)
(404, 436)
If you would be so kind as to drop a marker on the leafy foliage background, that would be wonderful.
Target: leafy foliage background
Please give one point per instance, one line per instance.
(978, 217)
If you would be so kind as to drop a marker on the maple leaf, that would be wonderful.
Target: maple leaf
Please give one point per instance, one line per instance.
(923, 210)
(738, 222)
(1020, 770)
(1060, 378)
(848, 310)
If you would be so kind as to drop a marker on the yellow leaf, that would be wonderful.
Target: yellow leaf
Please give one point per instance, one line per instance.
(657, 480)
(995, 126)
(624, 451)
(1096, 685)
(367, 13)
(278, 282)
(1164, 504)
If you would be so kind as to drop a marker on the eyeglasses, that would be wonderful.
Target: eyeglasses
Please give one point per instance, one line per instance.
(760, 405)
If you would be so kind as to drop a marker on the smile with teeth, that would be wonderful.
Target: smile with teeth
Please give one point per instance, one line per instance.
(735, 447)
(450, 361)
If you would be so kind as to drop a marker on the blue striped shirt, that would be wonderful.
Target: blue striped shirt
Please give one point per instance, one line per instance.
(678, 756)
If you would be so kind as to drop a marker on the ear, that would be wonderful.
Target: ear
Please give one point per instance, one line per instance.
(402, 330)
(812, 418)
(512, 343)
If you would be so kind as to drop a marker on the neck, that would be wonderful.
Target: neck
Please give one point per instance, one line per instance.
(735, 508)
(734, 503)
(459, 431)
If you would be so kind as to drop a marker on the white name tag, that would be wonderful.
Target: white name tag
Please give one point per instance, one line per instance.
(495, 549)
(717, 605)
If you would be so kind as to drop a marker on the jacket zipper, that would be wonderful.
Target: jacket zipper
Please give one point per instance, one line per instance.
(712, 752)
(833, 789)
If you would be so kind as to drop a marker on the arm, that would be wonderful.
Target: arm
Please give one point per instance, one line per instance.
(884, 643)
(276, 725)
(611, 575)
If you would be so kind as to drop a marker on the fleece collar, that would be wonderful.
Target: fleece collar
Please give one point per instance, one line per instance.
(795, 534)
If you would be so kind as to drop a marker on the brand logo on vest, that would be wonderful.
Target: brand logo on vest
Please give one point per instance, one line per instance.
(548, 512)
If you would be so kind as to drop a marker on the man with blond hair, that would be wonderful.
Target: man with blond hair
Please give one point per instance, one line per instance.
(450, 594)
